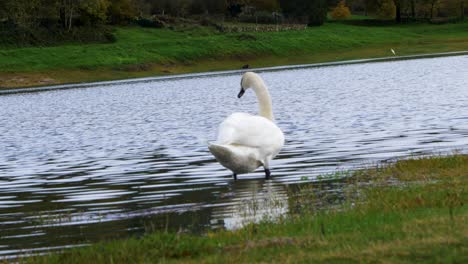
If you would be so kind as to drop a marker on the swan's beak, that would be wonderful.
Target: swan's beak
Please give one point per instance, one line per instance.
(241, 93)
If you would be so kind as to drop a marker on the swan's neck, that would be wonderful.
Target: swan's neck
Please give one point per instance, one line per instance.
(264, 99)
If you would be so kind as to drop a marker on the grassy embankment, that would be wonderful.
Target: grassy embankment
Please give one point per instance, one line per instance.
(142, 52)
(412, 211)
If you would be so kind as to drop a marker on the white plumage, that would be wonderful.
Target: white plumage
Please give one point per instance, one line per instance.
(246, 142)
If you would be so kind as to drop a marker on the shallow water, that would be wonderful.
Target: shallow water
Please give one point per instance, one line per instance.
(82, 165)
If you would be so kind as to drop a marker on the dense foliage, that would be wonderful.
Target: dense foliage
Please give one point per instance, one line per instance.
(50, 21)
(403, 10)
(341, 11)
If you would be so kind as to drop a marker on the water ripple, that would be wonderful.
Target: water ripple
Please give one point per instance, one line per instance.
(82, 165)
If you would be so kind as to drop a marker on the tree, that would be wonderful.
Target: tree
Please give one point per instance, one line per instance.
(234, 7)
(94, 11)
(295, 8)
(388, 10)
(341, 11)
(265, 5)
(463, 5)
(67, 10)
(397, 4)
(313, 11)
(432, 4)
(454, 7)
(317, 12)
(177, 8)
(121, 11)
(22, 13)
(413, 8)
(208, 6)
(142, 7)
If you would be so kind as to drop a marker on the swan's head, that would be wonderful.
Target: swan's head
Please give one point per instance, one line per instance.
(247, 82)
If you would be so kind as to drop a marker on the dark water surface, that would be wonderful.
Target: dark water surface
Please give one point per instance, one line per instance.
(82, 165)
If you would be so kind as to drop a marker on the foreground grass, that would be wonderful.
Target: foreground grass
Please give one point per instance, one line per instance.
(142, 52)
(414, 210)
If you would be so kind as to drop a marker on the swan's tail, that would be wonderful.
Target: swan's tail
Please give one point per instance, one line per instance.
(239, 159)
(221, 153)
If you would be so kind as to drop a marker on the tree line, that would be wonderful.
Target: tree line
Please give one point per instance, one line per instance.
(412, 9)
(26, 17)
(70, 13)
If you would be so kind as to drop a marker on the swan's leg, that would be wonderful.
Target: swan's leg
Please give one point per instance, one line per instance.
(235, 176)
(266, 165)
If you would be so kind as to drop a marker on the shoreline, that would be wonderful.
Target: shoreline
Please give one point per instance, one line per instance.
(140, 53)
(73, 85)
(403, 214)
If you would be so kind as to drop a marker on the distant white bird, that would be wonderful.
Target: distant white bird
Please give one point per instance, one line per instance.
(246, 142)
(393, 52)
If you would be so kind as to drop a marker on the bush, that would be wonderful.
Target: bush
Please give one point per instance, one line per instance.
(153, 22)
(93, 11)
(11, 35)
(173, 21)
(208, 22)
(246, 37)
(261, 17)
(121, 12)
(110, 36)
(312, 12)
(317, 12)
(341, 11)
(387, 10)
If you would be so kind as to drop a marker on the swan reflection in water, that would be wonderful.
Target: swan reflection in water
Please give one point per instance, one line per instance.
(250, 201)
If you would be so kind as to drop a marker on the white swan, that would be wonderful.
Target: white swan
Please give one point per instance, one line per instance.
(246, 142)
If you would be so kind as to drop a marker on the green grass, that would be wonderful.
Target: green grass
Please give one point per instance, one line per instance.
(144, 51)
(143, 45)
(413, 211)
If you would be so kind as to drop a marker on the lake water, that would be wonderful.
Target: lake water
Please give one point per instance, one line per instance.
(82, 165)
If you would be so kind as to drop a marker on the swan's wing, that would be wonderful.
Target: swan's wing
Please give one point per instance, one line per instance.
(251, 131)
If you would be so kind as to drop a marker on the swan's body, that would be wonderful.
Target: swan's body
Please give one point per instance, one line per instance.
(246, 142)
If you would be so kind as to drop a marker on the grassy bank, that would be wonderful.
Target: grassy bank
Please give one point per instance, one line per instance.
(414, 210)
(142, 52)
